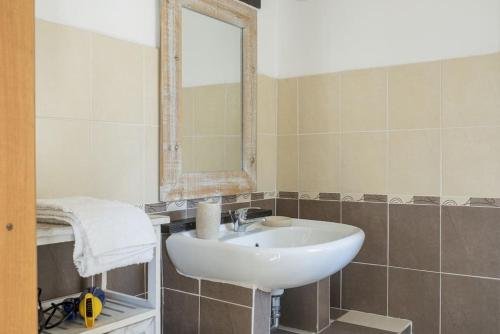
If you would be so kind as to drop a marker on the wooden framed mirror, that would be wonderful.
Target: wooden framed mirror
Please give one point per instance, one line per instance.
(208, 99)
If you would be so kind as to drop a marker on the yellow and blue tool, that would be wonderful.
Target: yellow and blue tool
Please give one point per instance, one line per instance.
(88, 305)
(91, 303)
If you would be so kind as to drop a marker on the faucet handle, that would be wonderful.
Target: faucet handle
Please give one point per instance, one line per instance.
(242, 213)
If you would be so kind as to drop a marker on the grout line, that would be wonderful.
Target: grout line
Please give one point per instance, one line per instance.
(387, 166)
(339, 175)
(429, 271)
(199, 305)
(317, 306)
(390, 130)
(253, 312)
(297, 141)
(226, 302)
(180, 291)
(440, 193)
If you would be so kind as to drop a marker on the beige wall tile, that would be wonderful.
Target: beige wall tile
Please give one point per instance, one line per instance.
(363, 163)
(117, 87)
(287, 106)
(188, 110)
(209, 154)
(152, 165)
(414, 162)
(364, 95)
(319, 163)
(188, 155)
(471, 91)
(319, 103)
(62, 158)
(471, 162)
(117, 162)
(233, 153)
(62, 71)
(234, 110)
(266, 162)
(267, 104)
(151, 104)
(414, 96)
(288, 163)
(209, 115)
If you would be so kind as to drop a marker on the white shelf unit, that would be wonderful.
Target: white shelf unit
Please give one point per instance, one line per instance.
(120, 310)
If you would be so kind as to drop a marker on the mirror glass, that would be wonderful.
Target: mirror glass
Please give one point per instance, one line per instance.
(211, 94)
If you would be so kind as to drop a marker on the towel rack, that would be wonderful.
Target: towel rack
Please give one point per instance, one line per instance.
(121, 310)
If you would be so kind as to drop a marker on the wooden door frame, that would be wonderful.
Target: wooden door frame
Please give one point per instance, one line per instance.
(18, 312)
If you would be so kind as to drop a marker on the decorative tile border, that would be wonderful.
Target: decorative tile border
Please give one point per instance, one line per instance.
(288, 195)
(329, 196)
(155, 207)
(309, 195)
(229, 199)
(176, 205)
(243, 198)
(317, 196)
(191, 203)
(257, 196)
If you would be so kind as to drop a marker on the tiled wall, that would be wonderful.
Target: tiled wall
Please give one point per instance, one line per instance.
(97, 135)
(97, 106)
(425, 137)
(403, 130)
(97, 115)
(436, 265)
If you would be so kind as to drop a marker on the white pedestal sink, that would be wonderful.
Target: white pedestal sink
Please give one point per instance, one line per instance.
(268, 258)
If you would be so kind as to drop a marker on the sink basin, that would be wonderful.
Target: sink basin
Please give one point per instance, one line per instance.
(268, 258)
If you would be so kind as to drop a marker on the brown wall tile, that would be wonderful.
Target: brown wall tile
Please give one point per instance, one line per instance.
(180, 312)
(323, 303)
(299, 307)
(234, 206)
(129, 280)
(414, 236)
(227, 292)
(262, 313)
(335, 290)
(470, 240)
(320, 210)
(470, 305)
(223, 318)
(364, 288)
(269, 204)
(414, 295)
(287, 207)
(372, 219)
(57, 275)
(171, 278)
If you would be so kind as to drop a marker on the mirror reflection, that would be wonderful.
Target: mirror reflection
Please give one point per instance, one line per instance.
(211, 94)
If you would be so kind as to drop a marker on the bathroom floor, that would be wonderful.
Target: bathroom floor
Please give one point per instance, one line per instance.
(338, 327)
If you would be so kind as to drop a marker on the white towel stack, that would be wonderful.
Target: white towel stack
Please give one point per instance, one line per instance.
(108, 234)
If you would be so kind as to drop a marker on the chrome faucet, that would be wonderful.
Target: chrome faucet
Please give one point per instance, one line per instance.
(240, 221)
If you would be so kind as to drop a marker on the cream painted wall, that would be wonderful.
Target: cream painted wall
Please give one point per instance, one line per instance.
(321, 36)
(139, 21)
(130, 20)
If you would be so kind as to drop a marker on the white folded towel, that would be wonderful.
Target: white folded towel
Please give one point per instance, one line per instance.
(108, 234)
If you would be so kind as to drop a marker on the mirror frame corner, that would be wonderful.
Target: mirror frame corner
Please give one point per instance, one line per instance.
(174, 183)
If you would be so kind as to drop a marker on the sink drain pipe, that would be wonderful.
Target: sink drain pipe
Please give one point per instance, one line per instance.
(276, 307)
(275, 311)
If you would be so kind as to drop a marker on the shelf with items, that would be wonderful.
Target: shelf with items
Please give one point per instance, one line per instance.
(120, 310)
